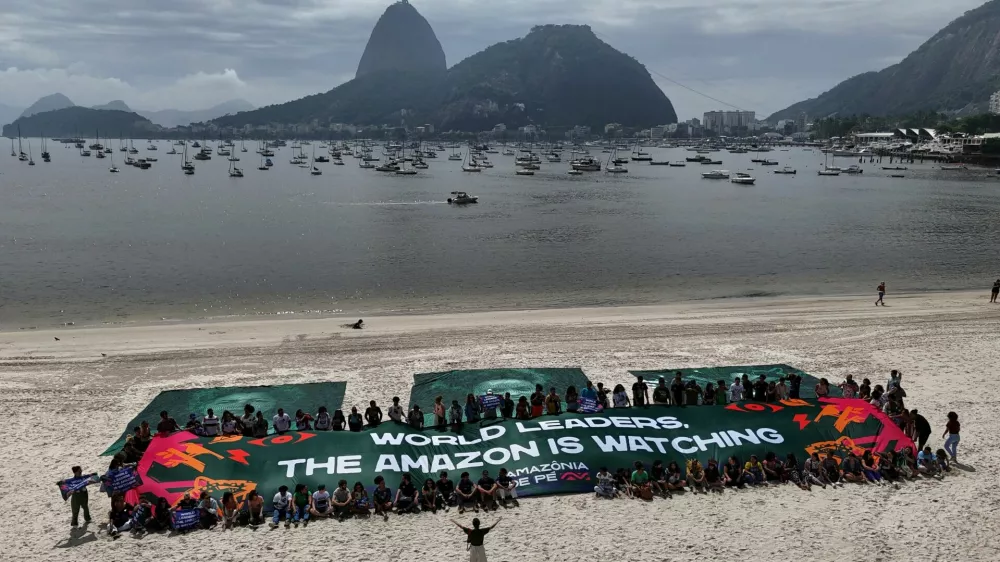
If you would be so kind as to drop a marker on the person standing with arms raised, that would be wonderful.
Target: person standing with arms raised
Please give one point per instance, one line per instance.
(474, 538)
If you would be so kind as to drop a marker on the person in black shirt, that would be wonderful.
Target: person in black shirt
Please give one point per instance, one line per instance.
(120, 516)
(382, 498)
(406, 497)
(354, 421)
(373, 414)
(507, 410)
(430, 499)
(677, 390)
(475, 536)
(465, 493)
(506, 487)
(922, 428)
(658, 478)
(602, 396)
(640, 393)
(487, 488)
(713, 477)
(661, 393)
(446, 488)
(794, 385)
(760, 389)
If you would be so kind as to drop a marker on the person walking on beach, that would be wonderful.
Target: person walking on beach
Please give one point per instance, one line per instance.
(951, 431)
(881, 294)
(474, 539)
(995, 291)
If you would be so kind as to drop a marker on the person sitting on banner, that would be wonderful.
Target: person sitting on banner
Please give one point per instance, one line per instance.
(692, 392)
(194, 424)
(572, 399)
(782, 389)
(794, 385)
(323, 420)
(303, 421)
(523, 409)
(455, 415)
(753, 472)
(382, 498)
(259, 425)
(675, 478)
(773, 469)
(416, 417)
(210, 424)
(849, 387)
(159, 520)
(145, 436)
(487, 488)
(282, 504)
(677, 387)
(373, 414)
(338, 422)
(301, 505)
(851, 470)
(641, 487)
(355, 422)
(440, 418)
(465, 493)
(321, 506)
(406, 497)
(602, 396)
(832, 470)
(772, 392)
(430, 499)
(471, 408)
(396, 412)
(167, 424)
(696, 476)
(887, 466)
(186, 502)
(230, 510)
(605, 487)
(620, 397)
(78, 499)
(553, 404)
(589, 392)
(822, 388)
(281, 422)
(733, 473)
(736, 391)
(623, 481)
(488, 405)
(507, 410)
(713, 477)
(790, 472)
(658, 474)
(209, 511)
(537, 400)
(865, 390)
(446, 488)
(361, 506)
(869, 466)
(247, 421)
(760, 389)
(661, 393)
(506, 488)
(120, 516)
(230, 425)
(708, 398)
(252, 510)
(341, 501)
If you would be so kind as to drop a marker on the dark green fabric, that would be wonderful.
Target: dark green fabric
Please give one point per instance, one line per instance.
(181, 403)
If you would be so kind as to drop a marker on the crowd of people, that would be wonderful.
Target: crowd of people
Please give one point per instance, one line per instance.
(300, 505)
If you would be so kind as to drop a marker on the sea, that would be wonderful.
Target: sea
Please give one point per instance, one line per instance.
(82, 246)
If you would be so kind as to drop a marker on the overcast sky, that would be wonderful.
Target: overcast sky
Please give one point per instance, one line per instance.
(191, 54)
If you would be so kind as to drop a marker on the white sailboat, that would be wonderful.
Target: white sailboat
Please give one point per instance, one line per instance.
(113, 169)
(234, 172)
(312, 165)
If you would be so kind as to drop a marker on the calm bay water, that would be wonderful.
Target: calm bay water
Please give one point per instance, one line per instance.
(78, 244)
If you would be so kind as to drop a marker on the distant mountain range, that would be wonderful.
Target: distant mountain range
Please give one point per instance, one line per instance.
(955, 71)
(76, 120)
(558, 76)
(165, 117)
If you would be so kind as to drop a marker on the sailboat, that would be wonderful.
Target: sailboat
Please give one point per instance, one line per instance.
(234, 172)
(472, 166)
(98, 147)
(314, 171)
(263, 166)
(827, 170)
(113, 169)
(20, 149)
(31, 162)
(46, 157)
(187, 166)
(613, 167)
(12, 153)
(243, 145)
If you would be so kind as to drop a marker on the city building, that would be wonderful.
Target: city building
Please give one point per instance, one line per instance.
(725, 121)
(657, 132)
(995, 103)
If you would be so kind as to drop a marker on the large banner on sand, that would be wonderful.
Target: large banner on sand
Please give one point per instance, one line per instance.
(546, 455)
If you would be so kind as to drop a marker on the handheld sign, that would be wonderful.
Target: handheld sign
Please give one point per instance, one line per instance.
(70, 485)
(186, 519)
(120, 480)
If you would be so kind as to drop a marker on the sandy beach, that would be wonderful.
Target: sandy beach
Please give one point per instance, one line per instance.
(63, 403)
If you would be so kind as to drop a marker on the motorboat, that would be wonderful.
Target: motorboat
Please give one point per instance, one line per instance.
(697, 158)
(716, 175)
(743, 179)
(711, 162)
(586, 164)
(829, 172)
(659, 163)
(462, 198)
(525, 172)
(853, 169)
(616, 169)
(786, 170)
(575, 173)
(769, 163)
(952, 168)
(894, 168)
(678, 164)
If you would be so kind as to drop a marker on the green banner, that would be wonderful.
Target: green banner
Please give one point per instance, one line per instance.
(705, 375)
(547, 455)
(457, 385)
(181, 403)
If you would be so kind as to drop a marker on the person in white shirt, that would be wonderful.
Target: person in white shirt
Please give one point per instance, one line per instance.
(396, 412)
(282, 422)
(282, 506)
(322, 419)
(210, 424)
(736, 391)
(321, 502)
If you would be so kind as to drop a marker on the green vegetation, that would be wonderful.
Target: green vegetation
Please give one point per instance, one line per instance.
(76, 120)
